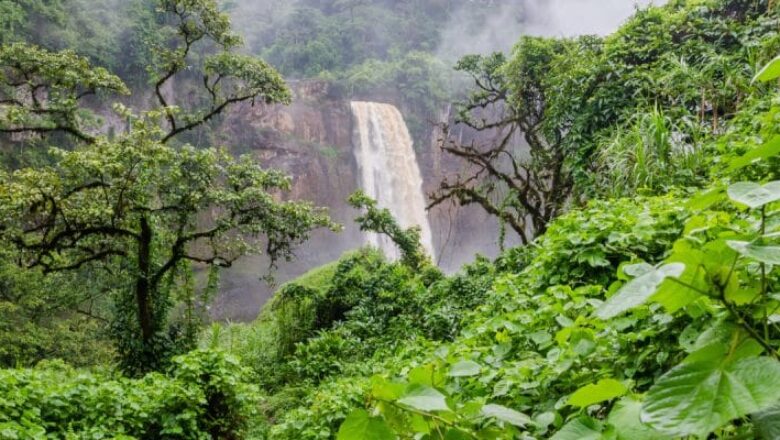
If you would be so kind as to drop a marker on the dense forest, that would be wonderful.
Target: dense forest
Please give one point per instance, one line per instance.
(633, 174)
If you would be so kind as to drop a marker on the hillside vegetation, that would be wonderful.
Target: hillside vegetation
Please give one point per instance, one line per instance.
(642, 304)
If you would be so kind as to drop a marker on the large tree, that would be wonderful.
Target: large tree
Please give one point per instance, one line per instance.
(132, 204)
(515, 164)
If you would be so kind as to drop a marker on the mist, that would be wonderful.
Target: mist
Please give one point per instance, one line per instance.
(567, 18)
(257, 21)
(504, 24)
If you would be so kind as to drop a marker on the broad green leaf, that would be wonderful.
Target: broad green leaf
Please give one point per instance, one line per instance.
(637, 270)
(465, 368)
(625, 418)
(605, 389)
(769, 149)
(724, 339)
(507, 415)
(754, 195)
(424, 398)
(546, 419)
(360, 426)
(419, 424)
(672, 295)
(457, 434)
(385, 390)
(427, 374)
(769, 72)
(583, 428)
(706, 199)
(764, 254)
(767, 423)
(696, 398)
(637, 291)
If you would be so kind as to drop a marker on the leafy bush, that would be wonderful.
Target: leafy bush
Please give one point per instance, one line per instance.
(671, 333)
(205, 396)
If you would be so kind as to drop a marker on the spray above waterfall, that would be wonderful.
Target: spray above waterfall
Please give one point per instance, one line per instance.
(389, 172)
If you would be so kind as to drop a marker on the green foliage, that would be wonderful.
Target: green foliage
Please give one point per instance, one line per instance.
(45, 317)
(108, 33)
(206, 395)
(418, 77)
(535, 339)
(646, 317)
(134, 203)
(605, 389)
(769, 72)
(381, 221)
(360, 426)
(366, 310)
(697, 398)
(650, 155)
(131, 205)
(40, 90)
(334, 36)
(634, 111)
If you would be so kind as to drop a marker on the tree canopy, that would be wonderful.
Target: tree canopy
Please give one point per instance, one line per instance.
(130, 204)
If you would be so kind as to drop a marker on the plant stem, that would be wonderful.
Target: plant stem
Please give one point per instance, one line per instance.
(689, 286)
(751, 331)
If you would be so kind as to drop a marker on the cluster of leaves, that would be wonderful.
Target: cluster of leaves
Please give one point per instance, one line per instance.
(110, 34)
(136, 201)
(692, 60)
(567, 119)
(29, 334)
(381, 221)
(645, 319)
(681, 343)
(206, 395)
(389, 316)
(40, 90)
(533, 342)
(323, 335)
(133, 206)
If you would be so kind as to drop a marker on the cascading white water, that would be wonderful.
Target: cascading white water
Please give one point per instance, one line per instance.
(389, 171)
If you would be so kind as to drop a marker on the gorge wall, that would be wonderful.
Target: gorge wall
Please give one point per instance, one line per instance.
(313, 141)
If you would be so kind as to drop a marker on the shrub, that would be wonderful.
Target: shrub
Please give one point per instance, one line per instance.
(204, 396)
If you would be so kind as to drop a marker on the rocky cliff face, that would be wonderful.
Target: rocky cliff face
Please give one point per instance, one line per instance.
(312, 140)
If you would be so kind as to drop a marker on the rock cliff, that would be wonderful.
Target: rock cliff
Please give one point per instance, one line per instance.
(312, 140)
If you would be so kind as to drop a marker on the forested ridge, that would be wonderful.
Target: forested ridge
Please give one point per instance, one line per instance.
(636, 171)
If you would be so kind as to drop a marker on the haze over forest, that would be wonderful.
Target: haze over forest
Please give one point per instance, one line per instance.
(389, 219)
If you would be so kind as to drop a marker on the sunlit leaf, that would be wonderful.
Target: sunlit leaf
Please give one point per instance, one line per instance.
(583, 428)
(769, 149)
(360, 426)
(605, 389)
(424, 398)
(706, 199)
(673, 295)
(764, 254)
(697, 398)
(383, 389)
(464, 369)
(637, 291)
(625, 418)
(507, 415)
(754, 195)
(769, 72)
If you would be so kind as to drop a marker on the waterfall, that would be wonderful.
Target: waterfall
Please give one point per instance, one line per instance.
(389, 171)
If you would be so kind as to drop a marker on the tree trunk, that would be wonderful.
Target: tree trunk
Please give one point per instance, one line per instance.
(142, 286)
